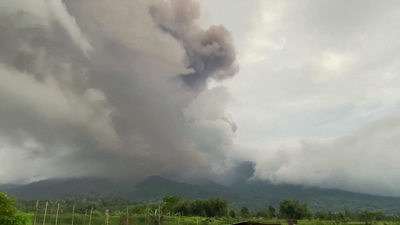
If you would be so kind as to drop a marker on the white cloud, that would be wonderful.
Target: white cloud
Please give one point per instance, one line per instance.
(336, 72)
(332, 65)
(366, 160)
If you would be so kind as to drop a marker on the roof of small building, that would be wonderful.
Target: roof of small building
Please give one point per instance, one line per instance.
(254, 223)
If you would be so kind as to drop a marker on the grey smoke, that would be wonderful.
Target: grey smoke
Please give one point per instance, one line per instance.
(120, 89)
(365, 160)
(101, 88)
(210, 52)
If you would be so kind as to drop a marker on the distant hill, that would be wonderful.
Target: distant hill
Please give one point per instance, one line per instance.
(6, 187)
(259, 192)
(155, 187)
(254, 194)
(63, 188)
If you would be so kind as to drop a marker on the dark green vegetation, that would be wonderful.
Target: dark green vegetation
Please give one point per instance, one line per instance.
(8, 212)
(171, 210)
(255, 195)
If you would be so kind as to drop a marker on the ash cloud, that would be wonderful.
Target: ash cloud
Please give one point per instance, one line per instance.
(365, 160)
(210, 52)
(97, 88)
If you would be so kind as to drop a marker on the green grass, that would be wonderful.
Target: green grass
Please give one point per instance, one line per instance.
(99, 219)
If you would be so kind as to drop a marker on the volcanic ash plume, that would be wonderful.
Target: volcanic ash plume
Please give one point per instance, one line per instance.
(210, 53)
(112, 88)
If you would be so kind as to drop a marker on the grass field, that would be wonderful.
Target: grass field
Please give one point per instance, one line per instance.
(99, 219)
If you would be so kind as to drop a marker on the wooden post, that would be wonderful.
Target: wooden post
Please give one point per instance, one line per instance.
(90, 218)
(73, 214)
(85, 217)
(147, 216)
(159, 215)
(58, 208)
(127, 216)
(36, 209)
(45, 211)
(107, 216)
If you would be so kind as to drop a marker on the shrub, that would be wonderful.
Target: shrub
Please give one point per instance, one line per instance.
(9, 214)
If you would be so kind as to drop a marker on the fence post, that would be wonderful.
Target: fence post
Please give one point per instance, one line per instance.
(90, 218)
(73, 213)
(36, 209)
(107, 214)
(127, 216)
(45, 211)
(159, 215)
(58, 208)
(85, 217)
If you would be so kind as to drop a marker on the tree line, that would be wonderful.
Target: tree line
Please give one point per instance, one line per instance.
(288, 209)
(213, 207)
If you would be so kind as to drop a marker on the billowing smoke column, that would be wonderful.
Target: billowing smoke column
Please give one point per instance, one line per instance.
(91, 88)
(210, 52)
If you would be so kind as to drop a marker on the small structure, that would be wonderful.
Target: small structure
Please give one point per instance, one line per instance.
(254, 223)
(291, 222)
(207, 221)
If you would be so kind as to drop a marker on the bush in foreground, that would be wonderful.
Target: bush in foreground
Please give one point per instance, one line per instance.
(9, 215)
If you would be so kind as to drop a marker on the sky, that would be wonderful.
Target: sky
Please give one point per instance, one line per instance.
(307, 90)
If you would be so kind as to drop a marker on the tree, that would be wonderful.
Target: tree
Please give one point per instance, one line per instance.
(263, 214)
(292, 209)
(271, 212)
(232, 213)
(329, 215)
(218, 206)
(344, 216)
(320, 215)
(8, 212)
(188, 208)
(170, 202)
(92, 206)
(139, 209)
(367, 216)
(305, 212)
(245, 212)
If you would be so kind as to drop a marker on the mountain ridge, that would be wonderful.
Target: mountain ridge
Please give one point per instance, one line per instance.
(253, 194)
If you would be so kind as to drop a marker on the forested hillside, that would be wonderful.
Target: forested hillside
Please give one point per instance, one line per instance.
(255, 195)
